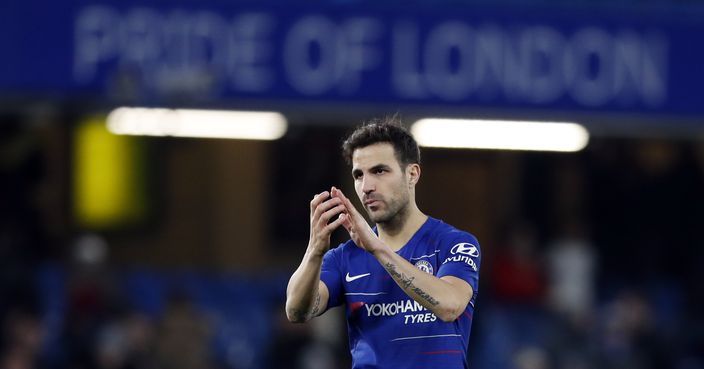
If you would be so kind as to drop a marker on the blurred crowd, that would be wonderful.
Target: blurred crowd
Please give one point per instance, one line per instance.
(610, 276)
(87, 314)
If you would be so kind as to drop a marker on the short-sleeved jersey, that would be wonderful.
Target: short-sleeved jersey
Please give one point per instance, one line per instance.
(387, 328)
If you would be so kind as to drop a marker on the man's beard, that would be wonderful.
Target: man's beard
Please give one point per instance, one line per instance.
(394, 214)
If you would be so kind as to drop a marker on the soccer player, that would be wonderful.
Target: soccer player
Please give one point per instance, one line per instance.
(409, 285)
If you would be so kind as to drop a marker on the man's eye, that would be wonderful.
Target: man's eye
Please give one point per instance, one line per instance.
(379, 171)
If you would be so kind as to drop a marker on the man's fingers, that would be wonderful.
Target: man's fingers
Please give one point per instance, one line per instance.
(322, 227)
(345, 218)
(336, 193)
(348, 204)
(317, 199)
(345, 199)
(325, 206)
(336, 223)
(326, 216)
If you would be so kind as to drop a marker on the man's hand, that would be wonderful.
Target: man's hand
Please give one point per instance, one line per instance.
(322, 209)
(356, 225)
(306, 294)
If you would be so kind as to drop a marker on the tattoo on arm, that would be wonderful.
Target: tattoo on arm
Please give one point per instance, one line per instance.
(425, 296)
(316, 306)
(305, 315)
(406, 282)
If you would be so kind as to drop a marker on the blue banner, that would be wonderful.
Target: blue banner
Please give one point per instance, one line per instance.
(158, 52)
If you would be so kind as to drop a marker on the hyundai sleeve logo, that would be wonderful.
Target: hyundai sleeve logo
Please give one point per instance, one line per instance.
(466, 249)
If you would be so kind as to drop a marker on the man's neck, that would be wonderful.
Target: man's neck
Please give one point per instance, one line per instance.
(397, 232)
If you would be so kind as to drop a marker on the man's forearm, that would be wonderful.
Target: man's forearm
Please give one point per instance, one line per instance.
(302, 293)
(433, 293)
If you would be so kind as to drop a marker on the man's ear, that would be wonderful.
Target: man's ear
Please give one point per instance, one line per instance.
(413, 174)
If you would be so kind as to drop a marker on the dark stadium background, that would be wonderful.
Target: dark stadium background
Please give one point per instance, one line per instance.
(590, 259)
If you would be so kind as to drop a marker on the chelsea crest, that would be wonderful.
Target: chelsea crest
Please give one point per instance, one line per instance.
(425, 266)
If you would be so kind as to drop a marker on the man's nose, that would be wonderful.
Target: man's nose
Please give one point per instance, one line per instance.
(368, 185)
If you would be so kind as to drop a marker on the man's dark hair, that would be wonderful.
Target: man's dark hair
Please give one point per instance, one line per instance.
(378, 130)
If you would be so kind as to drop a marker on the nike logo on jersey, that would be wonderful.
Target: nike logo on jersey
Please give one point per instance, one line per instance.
(356, 277)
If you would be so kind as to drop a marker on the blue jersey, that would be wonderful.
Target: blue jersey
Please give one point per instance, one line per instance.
(387, 328)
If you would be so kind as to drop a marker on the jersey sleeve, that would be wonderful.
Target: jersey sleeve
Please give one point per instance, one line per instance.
(461, 258)
(331, 275)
